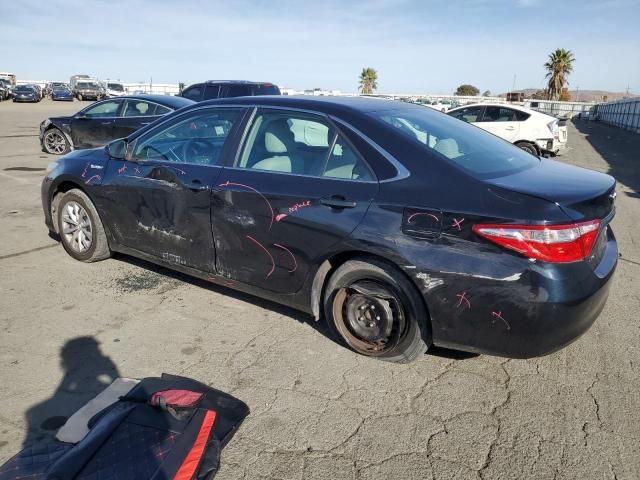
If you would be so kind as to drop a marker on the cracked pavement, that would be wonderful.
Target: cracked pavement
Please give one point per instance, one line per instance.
(318, 411)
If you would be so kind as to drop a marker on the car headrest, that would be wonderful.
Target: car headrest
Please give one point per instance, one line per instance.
(278, 136)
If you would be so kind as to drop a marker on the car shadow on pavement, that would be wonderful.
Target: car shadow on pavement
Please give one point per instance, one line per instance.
(619, 148)
(292, 313)
(87, 371)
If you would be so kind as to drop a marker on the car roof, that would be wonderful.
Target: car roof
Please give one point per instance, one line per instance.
(242, 82)
(325, 104)
(166, 100)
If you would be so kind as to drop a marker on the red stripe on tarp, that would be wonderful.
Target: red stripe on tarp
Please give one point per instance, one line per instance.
(192, 460)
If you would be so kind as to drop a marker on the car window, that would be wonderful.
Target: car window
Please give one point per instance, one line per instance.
(193, 93)
(237, 91)
(104, 109)
(468, 114)
(197, 138)
(265, 89)
(470, 148)
(211, 91)
(498, 114)
(521, 116)
(302, 144)
(142, 108)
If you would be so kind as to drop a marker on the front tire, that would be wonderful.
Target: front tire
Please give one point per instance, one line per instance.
(80, 228)
(55, 142)
(80, 97)
(376, 311)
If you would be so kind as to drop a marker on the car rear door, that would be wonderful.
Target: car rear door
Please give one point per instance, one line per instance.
(501, 121)
(93, 126)
(158, 202)
(296, 189)
(135, 114)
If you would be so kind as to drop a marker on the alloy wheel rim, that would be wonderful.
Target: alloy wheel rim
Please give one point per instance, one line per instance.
(370, 324)
(76, 227)
(55, 142)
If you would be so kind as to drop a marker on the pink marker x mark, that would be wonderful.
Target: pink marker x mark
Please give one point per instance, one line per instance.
(456, 223)
(498, 315)
(463, 298)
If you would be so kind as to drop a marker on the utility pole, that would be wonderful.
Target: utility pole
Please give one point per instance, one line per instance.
(577, 93)
(513, 87)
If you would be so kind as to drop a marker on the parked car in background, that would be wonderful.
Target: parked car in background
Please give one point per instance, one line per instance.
(228, 88)
(534, 132)
(101, 122)
(6, 89)
(451, 237)
(61, 93)
(26, 93)
(39, 89)
(76, 78)
(88, 90)
(114, 89)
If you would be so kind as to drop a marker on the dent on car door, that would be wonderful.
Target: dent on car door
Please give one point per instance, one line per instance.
(158, 202)
(93, 127)
(296, 189)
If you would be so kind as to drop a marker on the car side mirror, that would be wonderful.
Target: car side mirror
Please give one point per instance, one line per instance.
(81, 115)
(117, 149)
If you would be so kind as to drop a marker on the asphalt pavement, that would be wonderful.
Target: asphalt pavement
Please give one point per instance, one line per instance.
(318, 411)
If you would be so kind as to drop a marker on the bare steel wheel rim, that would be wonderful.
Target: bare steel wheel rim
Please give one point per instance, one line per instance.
(369, 316)
(76, 227)
(55, 142)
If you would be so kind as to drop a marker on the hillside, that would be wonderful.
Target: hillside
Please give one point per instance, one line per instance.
(583, 95)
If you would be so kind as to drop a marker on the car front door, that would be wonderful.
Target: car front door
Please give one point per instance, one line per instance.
(500, 121)
(93, 126)
(296, 189)
(135, 114)
(158, 201)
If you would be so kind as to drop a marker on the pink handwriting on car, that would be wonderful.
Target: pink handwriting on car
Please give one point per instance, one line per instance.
(122, 169)
(97, 177)
(298, 206)
(498, 315)
(463, 298)
(456, 223)
(84, 172)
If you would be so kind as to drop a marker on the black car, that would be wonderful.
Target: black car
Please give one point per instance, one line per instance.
(26, 93)
(63, 94)
(401, 226)
(88, 90)
(212, 89)
(101, 122)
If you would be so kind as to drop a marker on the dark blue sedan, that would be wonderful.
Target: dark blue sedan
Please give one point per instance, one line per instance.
(402, 227)
(62, 94)
(25, 93)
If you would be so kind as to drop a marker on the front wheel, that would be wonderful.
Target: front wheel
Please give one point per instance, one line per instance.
(80, 228)
(80, 97)
(55, 142)
(376, 311)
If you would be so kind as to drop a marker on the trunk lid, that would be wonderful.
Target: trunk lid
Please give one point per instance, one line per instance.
(582, 194)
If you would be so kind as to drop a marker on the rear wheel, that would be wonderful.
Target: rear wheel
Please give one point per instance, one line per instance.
(80, 228)
(80, 97)
(529, 148)
(376, 311)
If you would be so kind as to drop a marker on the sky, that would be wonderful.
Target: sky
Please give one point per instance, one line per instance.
(416, 46)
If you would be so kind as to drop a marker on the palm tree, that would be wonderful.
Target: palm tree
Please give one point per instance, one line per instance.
(559, 66)
(368, 81)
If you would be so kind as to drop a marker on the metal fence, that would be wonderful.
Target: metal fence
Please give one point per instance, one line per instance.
(622, 113)
(562, 109)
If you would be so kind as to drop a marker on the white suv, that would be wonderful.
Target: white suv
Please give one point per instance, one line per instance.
(535, 132)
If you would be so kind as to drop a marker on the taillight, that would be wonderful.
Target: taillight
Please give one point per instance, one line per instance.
(553, 128)
(549, 243)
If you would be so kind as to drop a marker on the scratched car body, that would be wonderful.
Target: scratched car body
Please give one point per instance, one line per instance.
(401, 226)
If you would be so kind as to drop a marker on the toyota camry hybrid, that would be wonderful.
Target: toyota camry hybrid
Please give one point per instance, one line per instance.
(401, 226)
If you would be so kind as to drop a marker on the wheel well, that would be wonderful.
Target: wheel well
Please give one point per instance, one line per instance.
(62, 188)
(528, 143)
(332, 263)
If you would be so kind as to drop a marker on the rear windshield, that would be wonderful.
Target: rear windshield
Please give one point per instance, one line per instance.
(475, 151)
(115, 86)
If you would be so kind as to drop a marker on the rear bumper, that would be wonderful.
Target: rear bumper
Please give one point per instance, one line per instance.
(535, 311)
(552, 146)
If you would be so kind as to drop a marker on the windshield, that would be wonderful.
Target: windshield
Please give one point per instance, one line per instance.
(475, 151)
(87, 85)
(24, 89)
(115, 86)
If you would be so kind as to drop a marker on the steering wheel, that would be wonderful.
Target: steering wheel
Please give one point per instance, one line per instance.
(197, 150)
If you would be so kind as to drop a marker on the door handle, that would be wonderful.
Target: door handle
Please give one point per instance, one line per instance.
(337, 202)
(510, 128)
(106, 123)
